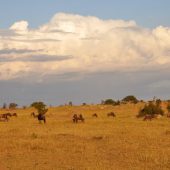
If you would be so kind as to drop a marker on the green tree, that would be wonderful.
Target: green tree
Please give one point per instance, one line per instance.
(40, 106)
(13, 106)
(109, 102)
(130, 98)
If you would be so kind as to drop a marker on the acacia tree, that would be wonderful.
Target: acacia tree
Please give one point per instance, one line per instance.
(40, 106)
(13, 106)
(109, 102)
(130, 98)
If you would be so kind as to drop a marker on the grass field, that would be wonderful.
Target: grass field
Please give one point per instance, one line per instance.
(103, 143)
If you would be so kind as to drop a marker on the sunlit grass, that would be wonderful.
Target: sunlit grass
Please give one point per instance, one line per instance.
(124, 142)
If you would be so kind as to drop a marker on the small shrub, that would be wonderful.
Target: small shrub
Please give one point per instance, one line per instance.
(13, 106)
(150, 109)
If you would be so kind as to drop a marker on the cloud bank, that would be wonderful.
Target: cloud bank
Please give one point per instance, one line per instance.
(71, 43)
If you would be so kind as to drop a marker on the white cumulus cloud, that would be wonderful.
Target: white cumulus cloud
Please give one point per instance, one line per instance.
(20, 26)
(92, 44)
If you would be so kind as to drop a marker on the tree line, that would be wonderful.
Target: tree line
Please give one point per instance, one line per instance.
(151, 108)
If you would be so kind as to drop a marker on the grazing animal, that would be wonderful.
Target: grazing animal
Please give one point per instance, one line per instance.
(81, 118)
(148, 117)
(95, 115)
(77, 118)
(111, 114)
(8, 114)
(4, 117)
(41, 117)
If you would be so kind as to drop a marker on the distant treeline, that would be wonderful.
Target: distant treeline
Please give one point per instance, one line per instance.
(127, 99)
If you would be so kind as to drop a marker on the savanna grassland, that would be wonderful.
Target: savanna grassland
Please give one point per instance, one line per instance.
(103, 143)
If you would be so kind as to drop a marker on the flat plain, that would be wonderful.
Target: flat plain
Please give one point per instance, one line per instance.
(104, 143)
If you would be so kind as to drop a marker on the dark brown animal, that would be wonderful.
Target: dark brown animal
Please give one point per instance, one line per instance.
(111, 114)
(41, 117)
(148, 117)
(8, 114)
(77, 118)
(95, 115)
(4, 117)
(81, 118)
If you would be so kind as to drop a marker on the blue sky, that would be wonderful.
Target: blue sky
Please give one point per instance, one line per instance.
(148, 13)
(50, 50)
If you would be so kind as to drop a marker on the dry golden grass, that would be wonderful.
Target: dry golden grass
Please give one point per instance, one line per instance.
(121, 143)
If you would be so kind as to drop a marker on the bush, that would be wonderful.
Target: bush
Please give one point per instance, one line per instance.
(110, 102)
(151, 109)
(130, 98)
(13, 106)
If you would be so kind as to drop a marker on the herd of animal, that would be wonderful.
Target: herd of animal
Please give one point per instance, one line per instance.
(42, 117)
(76, 118)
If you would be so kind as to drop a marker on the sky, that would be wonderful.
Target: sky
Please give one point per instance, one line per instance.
(83, 51)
